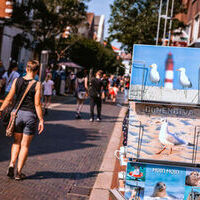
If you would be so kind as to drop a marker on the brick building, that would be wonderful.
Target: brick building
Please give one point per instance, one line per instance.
(192, 20)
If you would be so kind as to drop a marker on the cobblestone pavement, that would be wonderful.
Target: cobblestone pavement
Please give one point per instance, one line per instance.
(64, 161)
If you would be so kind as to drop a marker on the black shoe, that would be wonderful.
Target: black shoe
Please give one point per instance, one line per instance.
(19, 177)
(10, 172)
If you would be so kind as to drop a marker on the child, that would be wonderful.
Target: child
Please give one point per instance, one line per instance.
(115, 91)
(48, 86)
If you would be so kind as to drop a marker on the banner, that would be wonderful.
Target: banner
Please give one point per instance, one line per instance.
(149, 182)
(165, 74)
(164, 133)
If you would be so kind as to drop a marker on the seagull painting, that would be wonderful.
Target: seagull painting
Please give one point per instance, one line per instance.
(184, 80)
(154, 75)
(168, 139)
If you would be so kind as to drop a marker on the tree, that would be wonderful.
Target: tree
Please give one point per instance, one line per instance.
(135, 21)
(91, 54)
(47, 19)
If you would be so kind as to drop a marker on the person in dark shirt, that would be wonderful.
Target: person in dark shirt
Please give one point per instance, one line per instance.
(95, 90)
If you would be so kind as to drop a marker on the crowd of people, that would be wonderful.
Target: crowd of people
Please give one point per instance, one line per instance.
(59, 80)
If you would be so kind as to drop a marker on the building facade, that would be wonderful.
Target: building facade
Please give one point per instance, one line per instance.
(192, 21)
(11, 37)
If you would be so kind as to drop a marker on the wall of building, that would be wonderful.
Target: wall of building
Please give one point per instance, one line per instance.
(7, 40)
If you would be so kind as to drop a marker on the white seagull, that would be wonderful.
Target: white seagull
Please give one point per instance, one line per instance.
(168, 139)
(184, 80)
(154, 75)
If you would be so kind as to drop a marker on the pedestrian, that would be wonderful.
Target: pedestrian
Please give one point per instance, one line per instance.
(26, 121)
(81, 92)
(57, 78)
(126, 88)
(2, 71)
(122, 84)
(95, 90)
(62, 80)
(48, 86)
(10, 76)
(72, 82)
(115, 91)
(105, 83)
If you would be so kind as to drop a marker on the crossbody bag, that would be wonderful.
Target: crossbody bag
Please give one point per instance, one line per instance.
(13, 114)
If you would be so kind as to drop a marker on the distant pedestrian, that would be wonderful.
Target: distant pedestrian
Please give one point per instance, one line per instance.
(62, 80)
(10, 76)
(126, 88)
(26, 121)
(81, 92)
(105, 83)
(48, 86)
(95, 90)
(115, 91)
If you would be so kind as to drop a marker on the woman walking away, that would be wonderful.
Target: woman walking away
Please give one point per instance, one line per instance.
(26, 121)
(81, 92)
(48, 86)
(10, 76)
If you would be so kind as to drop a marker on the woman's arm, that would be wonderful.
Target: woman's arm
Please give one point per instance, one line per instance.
(38, 107)
(9, 98)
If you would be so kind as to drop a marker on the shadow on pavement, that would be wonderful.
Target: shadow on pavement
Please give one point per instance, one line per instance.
(61, 175)
(55, 138)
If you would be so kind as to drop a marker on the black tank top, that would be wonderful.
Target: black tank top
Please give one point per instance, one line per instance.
(29, 101)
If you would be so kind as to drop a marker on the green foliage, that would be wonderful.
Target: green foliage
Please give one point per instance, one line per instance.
(49, 19)
(91, 54)
(135, 21)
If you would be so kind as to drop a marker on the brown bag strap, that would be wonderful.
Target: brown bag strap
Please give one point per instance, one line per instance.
(24, 95)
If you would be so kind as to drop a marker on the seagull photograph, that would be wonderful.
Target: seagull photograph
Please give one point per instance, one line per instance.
(168, 139)
(154, 74)
(184, 80)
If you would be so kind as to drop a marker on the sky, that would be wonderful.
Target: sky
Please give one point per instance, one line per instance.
(102, 7)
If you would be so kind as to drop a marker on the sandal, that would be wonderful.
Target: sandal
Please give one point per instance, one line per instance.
(19, 177)
(10, 172)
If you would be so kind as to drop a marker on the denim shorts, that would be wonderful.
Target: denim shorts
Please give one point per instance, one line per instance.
(26, 122)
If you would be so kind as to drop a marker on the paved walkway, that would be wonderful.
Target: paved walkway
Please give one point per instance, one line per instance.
(64, 161)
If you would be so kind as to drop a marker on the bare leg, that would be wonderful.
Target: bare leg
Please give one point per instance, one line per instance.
(80, 106)
(48, 101)
(25, 143)
(15, 148)
(162, 150)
